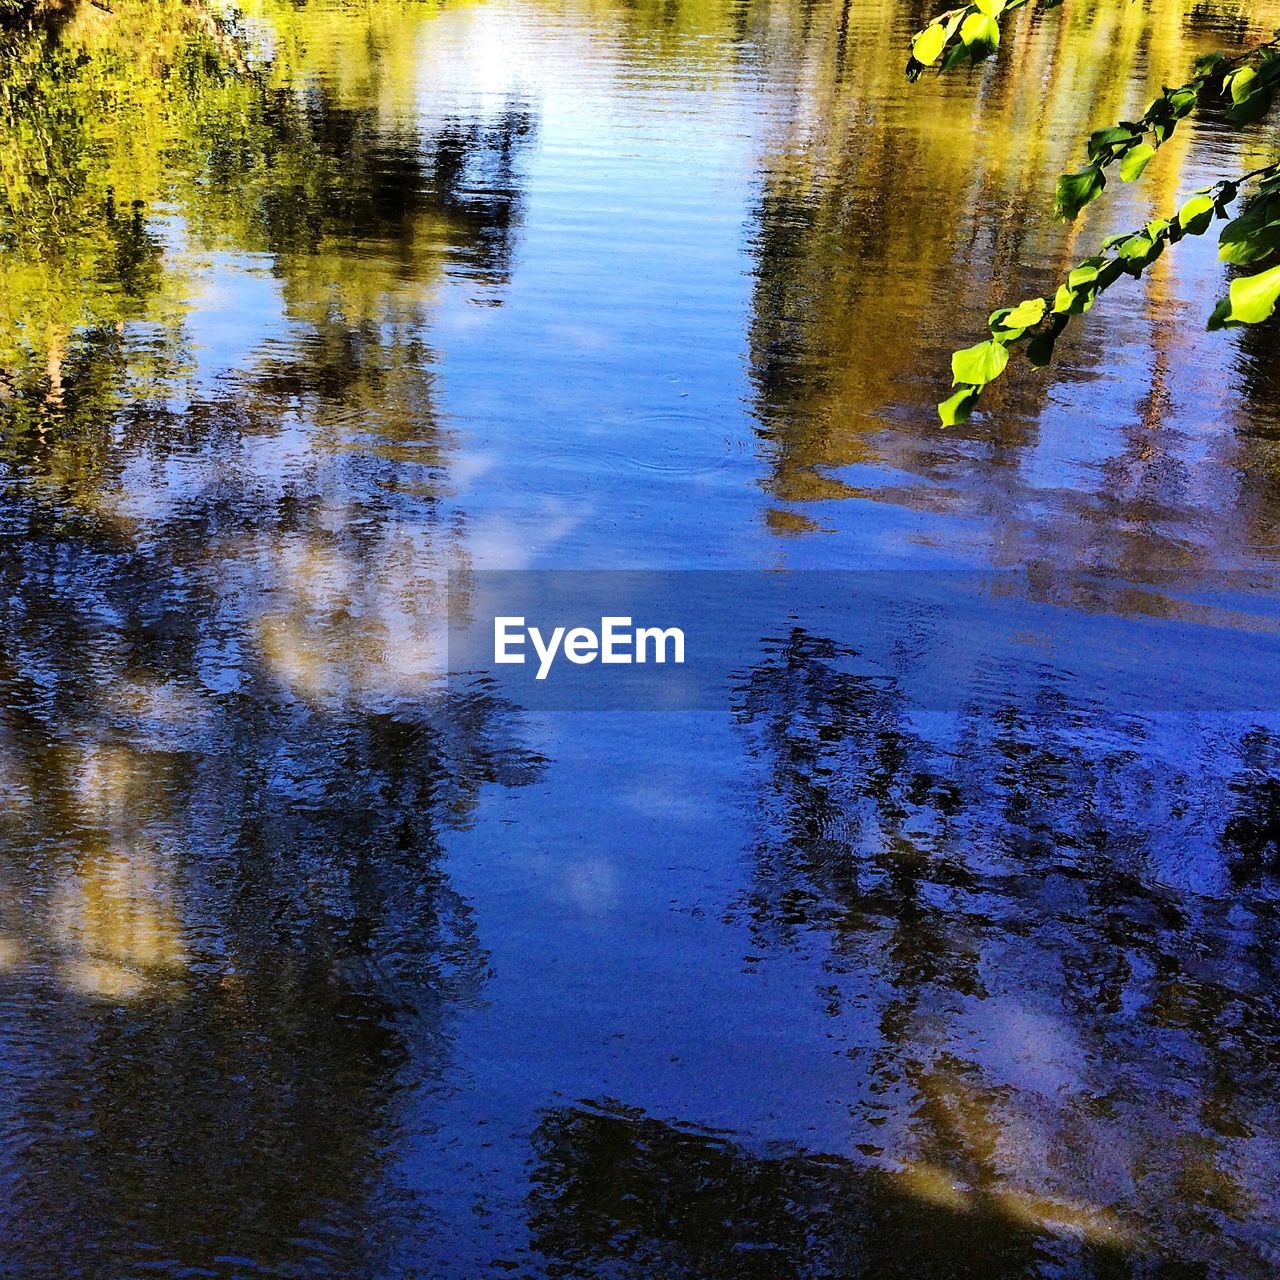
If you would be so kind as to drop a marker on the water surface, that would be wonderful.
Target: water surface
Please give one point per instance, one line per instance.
(312, 964)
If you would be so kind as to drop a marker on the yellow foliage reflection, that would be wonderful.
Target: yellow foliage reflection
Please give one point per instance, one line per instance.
(115, 925)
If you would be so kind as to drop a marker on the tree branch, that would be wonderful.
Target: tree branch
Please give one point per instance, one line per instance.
(1038, 322)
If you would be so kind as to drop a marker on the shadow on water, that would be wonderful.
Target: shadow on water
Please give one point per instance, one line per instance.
(617, 1192)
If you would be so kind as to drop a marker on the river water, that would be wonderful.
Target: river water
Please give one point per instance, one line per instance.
(313, 963)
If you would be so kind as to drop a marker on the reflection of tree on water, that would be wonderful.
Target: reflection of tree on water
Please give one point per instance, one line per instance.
(230, 946)
(228, 932)
(863, 274)
(123, 127)
(1032, 923)
(1251, 837)
(619, 1193)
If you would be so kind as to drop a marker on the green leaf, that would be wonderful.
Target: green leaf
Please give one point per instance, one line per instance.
(1086, 272)
(1027, 313)
(1195, 216)
(1075, 190)
(1218, 318)
(1074, 301)
(978, 365)
(992, 8)
(927, 47)
(980, 34)
(1135, 160)
(1253, 298)
(958, 407)
(1251, 108)
(1008, 324)
(1157, 227)
(1105, 142)
(1238, 82)
(1136, 247)
(1159, 119)
(1206, 63)
(1002, 329)
(1138, 252)
(1254, 235)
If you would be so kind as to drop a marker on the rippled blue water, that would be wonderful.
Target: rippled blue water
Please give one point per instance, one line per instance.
(312, 964)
